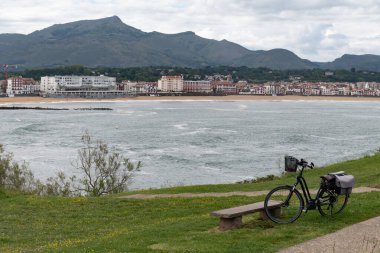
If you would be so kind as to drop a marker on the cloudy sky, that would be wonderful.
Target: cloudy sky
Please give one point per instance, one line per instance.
(317, 30)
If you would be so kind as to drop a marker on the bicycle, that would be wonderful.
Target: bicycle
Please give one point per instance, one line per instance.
(329, 199)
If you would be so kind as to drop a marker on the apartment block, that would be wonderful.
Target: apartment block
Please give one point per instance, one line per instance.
(170, 84)
(139, 87)
(197, 86)
(21, 86)
(74, 83)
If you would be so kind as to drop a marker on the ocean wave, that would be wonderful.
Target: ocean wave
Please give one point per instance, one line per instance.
(223, 109)
(182, 126)
(202, 130)
(34, 127)
(144, 114)
(169, 108)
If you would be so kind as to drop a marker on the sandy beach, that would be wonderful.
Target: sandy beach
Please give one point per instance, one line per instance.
(20, 100)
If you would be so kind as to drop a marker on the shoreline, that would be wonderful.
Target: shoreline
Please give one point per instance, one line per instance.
(33, 99)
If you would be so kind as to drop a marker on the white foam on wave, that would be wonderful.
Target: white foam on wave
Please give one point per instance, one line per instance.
(195, 132)
(224, 110)
(211, 169)
(167, 150)
(144, 114)
(323, 137)
(210, 152)
(141, 172)
(224, 131)
(168, 108)
(182, 126)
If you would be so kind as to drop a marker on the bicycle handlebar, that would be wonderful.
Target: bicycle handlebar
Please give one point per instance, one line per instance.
(304, 164)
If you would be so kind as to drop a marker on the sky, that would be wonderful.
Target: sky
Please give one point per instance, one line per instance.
(316, 30)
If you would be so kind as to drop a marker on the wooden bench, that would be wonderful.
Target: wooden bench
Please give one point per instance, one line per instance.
(232, 217)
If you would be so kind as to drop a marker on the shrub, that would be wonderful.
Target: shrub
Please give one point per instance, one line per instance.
(15, 176)
(103, 172)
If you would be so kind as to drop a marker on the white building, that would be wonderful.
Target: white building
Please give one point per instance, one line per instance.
(137, 87)
(51, 84)
(170, 83)
(21, 86)
(197, 86)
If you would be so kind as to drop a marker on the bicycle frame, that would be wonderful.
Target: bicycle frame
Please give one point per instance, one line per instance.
(308, 200)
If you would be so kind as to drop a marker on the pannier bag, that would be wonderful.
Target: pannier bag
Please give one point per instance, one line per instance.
(329, 181)
(291, 164)
(343, 182)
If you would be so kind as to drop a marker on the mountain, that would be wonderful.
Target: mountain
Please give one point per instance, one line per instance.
(367, 62)
(275, 59)
(109, 42)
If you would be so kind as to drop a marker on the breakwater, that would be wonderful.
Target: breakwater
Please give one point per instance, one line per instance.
(51, 109)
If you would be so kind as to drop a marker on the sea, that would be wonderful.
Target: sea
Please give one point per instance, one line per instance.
(194, 142)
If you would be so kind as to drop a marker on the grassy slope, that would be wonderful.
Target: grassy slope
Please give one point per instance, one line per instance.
(49, 224)
(366, 171)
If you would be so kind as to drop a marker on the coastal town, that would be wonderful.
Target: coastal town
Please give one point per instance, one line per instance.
(175, 85)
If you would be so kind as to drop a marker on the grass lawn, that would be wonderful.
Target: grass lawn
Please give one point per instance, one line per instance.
(366, 171)
(109, 224)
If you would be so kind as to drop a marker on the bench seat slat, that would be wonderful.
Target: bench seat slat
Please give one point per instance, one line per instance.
(242, 210)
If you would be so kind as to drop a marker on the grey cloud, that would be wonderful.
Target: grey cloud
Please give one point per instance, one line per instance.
(310, 40)
(334, 42)
(319, 38)
(292, 5)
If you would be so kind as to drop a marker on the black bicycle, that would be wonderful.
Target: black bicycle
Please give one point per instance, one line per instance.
(329, 200)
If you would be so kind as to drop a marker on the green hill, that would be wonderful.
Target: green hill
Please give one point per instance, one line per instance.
(110, 42)
(367, 62)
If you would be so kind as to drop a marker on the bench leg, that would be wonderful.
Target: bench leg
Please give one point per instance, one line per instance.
(275, 211)
(230, 223)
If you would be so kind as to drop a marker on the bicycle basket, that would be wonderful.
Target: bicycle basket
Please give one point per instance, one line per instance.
(291, 164)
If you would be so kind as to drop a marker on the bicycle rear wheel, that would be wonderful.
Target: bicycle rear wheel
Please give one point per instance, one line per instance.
(290, 201)
(330, 203)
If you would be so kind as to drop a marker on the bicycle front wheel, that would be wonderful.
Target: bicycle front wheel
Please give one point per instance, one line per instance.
(290, 202)
(330, 203)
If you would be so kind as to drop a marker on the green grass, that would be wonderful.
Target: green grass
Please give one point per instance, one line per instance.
(366, 171)
(51, 224)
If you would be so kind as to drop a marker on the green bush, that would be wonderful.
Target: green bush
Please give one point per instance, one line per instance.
(103, 172)
(15, 176)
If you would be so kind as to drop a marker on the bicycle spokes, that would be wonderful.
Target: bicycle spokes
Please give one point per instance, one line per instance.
(331, 203)
(291, 204)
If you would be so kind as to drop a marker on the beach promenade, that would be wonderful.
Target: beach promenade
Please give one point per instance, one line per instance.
(16, 100)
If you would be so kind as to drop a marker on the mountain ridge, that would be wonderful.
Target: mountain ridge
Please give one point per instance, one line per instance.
(109, 42)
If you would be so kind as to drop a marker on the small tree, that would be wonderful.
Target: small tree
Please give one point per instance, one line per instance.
(5, 164)
(15, 176)
(104, 172)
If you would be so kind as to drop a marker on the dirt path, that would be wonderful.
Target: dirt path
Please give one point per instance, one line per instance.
(363, 237)
(224, 194)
